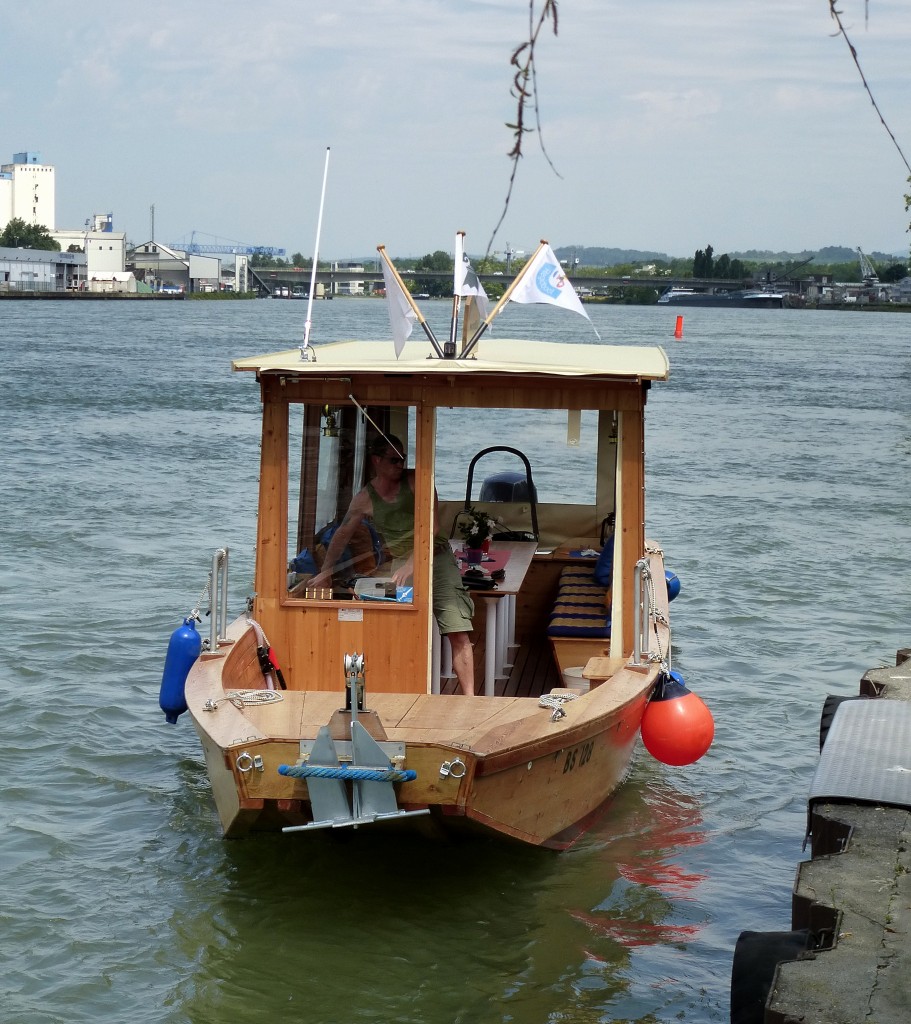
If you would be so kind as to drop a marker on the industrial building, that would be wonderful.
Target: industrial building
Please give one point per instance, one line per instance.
(28, 192)
(41, 270)
(104, 247)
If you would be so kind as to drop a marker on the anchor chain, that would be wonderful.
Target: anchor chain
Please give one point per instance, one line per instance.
(202, 597)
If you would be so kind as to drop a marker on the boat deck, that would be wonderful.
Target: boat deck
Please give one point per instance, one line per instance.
(534, 672)
(407, 716)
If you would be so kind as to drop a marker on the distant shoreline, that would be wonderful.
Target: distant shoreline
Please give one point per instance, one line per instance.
(853, 307)
(93, 296)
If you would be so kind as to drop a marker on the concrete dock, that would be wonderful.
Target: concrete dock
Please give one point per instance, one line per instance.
(848, 958)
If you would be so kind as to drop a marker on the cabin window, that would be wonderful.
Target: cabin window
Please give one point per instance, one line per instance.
(341, 457)
(558, 450)
(572, 456)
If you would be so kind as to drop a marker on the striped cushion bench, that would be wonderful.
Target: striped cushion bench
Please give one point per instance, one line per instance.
(581, 608)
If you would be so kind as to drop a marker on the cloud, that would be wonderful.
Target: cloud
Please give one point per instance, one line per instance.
(220, 112)
(692, 105)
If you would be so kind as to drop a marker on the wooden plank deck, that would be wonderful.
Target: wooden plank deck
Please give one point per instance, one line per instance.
(533, 673)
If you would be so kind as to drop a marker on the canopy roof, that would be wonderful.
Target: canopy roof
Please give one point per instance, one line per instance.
(521, 358)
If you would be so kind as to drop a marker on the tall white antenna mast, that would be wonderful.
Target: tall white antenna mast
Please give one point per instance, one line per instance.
(307, 353)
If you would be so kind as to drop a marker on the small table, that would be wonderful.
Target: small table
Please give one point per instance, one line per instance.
(500, 631)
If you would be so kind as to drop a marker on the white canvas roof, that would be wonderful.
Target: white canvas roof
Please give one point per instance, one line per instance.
(522, 358)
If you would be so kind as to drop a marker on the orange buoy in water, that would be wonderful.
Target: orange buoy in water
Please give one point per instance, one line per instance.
(678, 330)
(677, 727)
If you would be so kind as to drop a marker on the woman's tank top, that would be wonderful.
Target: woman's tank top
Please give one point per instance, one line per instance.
(394, 520)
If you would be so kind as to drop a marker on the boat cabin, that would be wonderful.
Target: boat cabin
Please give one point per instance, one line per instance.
(547, 438)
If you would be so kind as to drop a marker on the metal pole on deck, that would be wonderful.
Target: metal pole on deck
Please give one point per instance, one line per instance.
(306, 352)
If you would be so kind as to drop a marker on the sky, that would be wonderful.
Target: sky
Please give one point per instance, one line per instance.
(670, 124)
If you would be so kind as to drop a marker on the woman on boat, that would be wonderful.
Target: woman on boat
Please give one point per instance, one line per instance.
(388, 500)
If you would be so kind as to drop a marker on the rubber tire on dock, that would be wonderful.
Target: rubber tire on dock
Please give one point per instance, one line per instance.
(829, 708)
(756, 956)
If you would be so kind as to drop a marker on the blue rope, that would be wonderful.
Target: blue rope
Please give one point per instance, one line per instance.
(303, 771)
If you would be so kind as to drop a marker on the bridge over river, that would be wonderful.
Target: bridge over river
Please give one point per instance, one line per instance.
(297, 280)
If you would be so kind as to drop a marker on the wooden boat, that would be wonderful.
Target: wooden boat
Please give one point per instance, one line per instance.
(370, 729)
(362, 724)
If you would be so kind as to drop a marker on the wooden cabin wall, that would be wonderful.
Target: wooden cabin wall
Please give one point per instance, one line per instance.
(271, 543)
(419, 640)
(536, 599)
(462, 391)
(629, 538)
(310, 638)
(606, 497)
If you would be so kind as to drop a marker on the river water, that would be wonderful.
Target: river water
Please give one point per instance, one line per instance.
(778, 487)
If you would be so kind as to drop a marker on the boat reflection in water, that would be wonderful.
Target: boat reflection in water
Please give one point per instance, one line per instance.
(653, 898)
(583, 936)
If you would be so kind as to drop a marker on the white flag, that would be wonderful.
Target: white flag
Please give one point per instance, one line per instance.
(543, 280)
(401, 313)
(466, 282)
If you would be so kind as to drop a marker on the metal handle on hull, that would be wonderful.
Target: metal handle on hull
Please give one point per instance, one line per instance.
(219, 599)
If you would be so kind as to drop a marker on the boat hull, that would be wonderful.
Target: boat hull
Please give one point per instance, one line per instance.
(724, 300)
(551, 800)
(482, 764)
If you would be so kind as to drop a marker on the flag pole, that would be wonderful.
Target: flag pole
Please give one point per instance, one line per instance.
(419, 316)
(306, 352)
(457, 269)
(488, 320)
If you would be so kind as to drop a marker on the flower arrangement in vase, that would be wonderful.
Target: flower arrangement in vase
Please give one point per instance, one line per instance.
(476, 527)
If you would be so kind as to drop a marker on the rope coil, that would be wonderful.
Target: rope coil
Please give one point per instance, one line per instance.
(245, 698)
(554, 702)
(250, 698)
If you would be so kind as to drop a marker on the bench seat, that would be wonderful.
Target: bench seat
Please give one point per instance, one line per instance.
(582, 606)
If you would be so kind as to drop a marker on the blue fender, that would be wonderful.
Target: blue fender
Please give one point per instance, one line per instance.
(183, 650)
(673, 584)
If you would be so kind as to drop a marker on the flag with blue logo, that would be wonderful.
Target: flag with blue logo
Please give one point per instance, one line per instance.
(542, 279)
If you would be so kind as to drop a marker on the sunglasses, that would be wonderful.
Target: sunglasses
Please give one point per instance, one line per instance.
(394, 460)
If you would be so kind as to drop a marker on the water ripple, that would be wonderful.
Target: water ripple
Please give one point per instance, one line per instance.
(780, 447)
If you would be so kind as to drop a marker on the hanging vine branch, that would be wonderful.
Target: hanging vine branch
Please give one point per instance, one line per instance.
(908, 201)
(525, 91)
(836, 15)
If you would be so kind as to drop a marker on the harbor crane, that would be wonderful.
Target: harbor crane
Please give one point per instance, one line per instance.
(867, 270)
(772, 278)
(238, 249)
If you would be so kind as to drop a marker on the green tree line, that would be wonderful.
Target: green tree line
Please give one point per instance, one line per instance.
(703, 264)
(19, 235)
